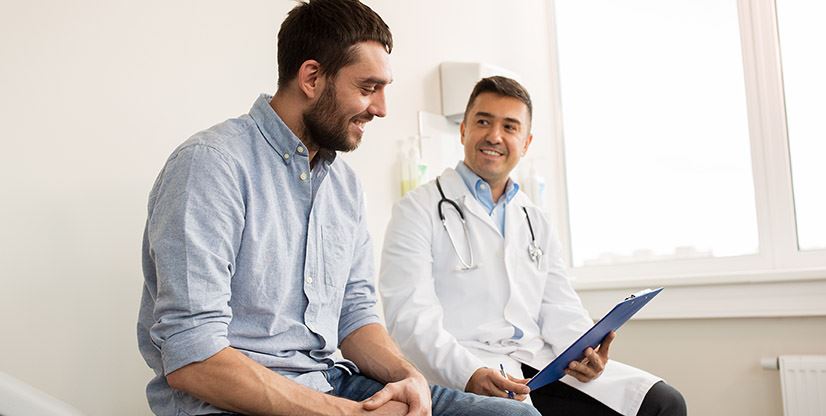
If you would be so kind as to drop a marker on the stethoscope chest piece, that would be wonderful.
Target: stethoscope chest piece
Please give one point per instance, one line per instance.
(534, 251)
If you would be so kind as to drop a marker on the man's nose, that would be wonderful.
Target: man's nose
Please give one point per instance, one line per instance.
(495, 135)
(378, 106)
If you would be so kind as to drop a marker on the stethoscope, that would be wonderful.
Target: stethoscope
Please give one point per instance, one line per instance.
(534, 251)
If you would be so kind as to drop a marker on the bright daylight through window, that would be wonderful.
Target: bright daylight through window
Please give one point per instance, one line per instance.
(656, 131)
(804, 65)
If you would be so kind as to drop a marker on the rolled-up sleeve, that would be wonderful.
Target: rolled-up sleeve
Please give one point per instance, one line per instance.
(194, 232)
(359, 305)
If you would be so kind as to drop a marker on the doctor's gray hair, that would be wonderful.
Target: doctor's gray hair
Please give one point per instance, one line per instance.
(503, 86)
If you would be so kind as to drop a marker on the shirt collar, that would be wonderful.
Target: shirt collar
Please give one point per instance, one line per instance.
(480, 189)
(278, 135)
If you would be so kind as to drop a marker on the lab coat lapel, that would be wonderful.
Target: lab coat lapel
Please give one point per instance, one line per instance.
(514, 237)
(475, 208)
(454, 185)
(513, 216)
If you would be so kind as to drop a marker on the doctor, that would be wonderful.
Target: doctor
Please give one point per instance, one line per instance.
(472, 277)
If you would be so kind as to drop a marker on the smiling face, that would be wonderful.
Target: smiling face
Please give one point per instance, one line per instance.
(495, 134)
(350, 100)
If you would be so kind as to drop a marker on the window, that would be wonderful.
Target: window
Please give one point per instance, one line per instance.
(804, 65)
(656, 131)
(674, 122)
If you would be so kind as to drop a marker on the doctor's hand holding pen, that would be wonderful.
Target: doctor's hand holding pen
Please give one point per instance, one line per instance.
(591, 367)
(490, 382)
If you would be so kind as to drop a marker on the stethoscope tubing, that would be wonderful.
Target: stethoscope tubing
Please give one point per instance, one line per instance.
(468, 265)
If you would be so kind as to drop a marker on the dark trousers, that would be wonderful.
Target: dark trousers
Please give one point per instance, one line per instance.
(560, 399)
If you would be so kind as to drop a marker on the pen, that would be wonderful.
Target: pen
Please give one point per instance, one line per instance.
(504, 374)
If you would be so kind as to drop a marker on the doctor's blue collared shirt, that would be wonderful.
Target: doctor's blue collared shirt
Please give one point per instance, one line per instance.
(481, 191)
(248, 246)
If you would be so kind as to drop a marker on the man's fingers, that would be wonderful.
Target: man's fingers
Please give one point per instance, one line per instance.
(606, 344)
(509, 385)
(378, 400)
(578, 369)
(594, 361)
(495, 391)
(415, 409)
(518, 380)
(577, 375)
(492, 387)
(392, 407)
(583, 372)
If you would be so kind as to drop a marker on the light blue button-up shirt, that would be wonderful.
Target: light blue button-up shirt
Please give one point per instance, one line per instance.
(245, 246)
(481, 191)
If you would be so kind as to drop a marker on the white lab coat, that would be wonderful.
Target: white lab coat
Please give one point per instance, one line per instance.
(450, 322)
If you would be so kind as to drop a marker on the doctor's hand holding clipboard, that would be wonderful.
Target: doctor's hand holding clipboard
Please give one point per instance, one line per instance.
(591, 367)
(585, 359)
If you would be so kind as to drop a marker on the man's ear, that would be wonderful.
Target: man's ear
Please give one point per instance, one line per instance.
(309, 79)
(528, 141)
(462, 132)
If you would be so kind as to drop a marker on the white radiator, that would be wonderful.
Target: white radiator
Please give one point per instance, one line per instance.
(803, 381)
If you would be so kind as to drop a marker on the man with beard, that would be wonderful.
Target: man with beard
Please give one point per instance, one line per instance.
(256, 257)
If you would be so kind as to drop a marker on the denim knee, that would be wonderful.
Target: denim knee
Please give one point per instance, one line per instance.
(517, 408)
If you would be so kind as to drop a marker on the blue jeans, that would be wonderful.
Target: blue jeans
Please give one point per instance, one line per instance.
(446, 402)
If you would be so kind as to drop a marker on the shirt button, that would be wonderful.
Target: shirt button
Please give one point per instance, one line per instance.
(286, 156)
(308, 279)
(299, 149)
(303, 176)
(483, 186)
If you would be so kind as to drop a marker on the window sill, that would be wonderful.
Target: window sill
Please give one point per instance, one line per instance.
(734, 295)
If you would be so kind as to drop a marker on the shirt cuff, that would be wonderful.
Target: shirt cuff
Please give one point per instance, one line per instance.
(193, 345)
(465, 370)
(347, 328)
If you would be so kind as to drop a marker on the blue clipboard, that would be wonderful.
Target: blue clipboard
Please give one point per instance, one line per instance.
(610, 322)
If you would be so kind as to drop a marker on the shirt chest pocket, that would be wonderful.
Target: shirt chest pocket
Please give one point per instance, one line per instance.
(337, 245)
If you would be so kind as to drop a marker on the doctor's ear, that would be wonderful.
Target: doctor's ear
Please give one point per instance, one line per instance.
(528, 141)
(462, 132)
(309, 78)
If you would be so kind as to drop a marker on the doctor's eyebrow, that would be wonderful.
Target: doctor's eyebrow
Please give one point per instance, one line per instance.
(489, 115)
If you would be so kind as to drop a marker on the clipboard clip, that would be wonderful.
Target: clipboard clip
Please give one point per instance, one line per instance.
(640, 293)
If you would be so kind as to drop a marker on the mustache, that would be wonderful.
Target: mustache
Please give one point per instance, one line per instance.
(365, 117)
(486, 146)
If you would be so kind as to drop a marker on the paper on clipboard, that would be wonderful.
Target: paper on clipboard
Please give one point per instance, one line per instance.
(593, 337)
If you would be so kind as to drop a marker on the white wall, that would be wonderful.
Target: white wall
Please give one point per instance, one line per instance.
(716, 362)
(95, 94)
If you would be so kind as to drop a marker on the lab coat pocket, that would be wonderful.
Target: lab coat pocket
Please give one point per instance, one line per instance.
(337, 243)
(532, 279)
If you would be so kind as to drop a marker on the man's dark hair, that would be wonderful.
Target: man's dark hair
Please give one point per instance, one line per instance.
(327, 31)
(503, 86)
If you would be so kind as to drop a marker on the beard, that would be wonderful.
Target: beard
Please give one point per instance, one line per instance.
(325, 126)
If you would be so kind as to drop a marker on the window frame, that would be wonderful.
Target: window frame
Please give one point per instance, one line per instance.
(778, 268)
